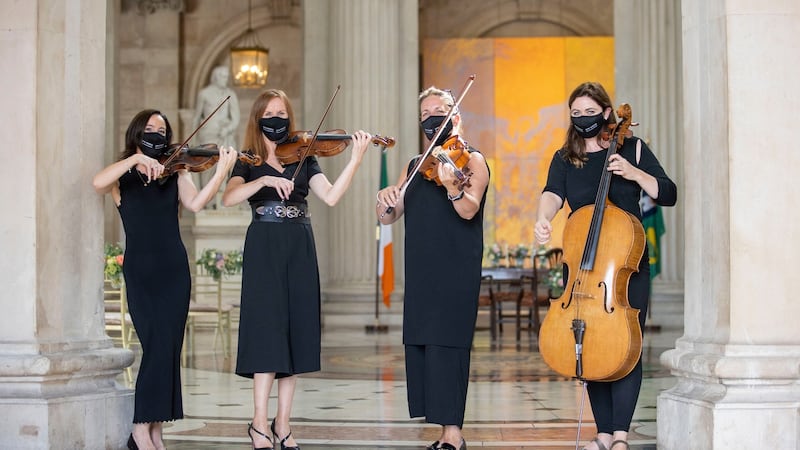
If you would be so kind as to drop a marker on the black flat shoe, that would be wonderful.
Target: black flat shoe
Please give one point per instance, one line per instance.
(446, 446)
(253, 441)
(433, 446)
(131, 443)
(283, 441)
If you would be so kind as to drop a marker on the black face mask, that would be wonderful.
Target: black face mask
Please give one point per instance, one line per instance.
(588, 126)
(432, 124)
(153, 144)
(276, 129)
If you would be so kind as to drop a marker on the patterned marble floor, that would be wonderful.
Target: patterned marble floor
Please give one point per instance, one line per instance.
(358, 399)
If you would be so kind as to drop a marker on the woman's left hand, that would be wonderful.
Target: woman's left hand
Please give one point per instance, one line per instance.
(620, 166)
(361, 141)
(447, 175)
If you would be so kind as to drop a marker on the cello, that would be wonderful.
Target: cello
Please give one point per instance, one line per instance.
(591, 332)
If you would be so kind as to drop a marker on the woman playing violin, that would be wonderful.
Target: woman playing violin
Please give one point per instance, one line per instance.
(574, 176)
(156, 266)
(443, 249)
(279, 329)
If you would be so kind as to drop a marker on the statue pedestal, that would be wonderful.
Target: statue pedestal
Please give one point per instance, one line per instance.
(220, 229)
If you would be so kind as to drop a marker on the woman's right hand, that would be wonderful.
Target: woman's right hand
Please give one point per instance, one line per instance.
(542, 231)
(389, 196)
(150, 167)
(280, 184)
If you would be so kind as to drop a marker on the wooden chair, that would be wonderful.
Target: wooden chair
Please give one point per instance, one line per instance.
(207, 307)
(486, 298)
(508, 291)
(533, 295)
(117, 318)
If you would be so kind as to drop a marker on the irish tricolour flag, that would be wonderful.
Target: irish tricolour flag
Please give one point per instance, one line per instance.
(385, 262)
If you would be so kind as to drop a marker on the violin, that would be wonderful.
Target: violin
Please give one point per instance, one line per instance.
(329, 143)
(591, 332)
(454, 152)
(198, 159)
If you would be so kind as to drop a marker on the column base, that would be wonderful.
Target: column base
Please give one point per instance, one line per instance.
(354, 306)
(734, 396)
(65, 400)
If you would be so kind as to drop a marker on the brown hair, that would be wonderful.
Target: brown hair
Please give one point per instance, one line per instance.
(253, 138)
(574, 149)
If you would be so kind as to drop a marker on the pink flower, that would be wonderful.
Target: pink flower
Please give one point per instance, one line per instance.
(119, 259)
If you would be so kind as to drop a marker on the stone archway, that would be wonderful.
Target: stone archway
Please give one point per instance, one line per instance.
(260, 19)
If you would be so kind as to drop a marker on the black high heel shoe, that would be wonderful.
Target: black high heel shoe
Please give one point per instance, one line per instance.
(433, 446)
(131, 443)
(283, 441)
(253, 441)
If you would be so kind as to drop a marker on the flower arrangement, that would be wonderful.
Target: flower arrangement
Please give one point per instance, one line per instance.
(113, 264)
(520, 251)
(555, 281)
(495, 254)
(217, 263)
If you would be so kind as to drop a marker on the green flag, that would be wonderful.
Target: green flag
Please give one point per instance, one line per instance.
(653, 223)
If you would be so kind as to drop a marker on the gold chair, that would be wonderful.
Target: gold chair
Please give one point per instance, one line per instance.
(118, 319)
(206, 307)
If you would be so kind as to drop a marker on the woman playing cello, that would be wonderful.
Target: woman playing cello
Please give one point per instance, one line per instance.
(574, 176)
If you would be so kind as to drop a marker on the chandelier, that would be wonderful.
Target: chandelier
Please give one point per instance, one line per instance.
(249, 59)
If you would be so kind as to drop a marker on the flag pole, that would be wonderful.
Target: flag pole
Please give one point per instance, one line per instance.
(376, 326)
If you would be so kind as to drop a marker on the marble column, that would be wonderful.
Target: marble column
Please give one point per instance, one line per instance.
(370, 49)
(738, 362)
(57, 365)
(648, 77)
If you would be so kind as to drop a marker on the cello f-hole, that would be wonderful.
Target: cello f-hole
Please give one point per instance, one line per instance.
(607, 305)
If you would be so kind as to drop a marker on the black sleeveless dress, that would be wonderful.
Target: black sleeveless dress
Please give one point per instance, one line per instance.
(443, 268)
(279, 325)
(156, 270)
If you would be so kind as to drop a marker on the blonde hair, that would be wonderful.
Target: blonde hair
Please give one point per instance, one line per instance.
(446, 96)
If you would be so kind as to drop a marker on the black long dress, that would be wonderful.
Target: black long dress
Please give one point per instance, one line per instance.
(279, 327)
(156, 271)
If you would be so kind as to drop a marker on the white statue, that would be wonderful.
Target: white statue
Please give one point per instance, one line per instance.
(221, 128)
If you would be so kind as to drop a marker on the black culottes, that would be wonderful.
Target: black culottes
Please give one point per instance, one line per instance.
(437, 379)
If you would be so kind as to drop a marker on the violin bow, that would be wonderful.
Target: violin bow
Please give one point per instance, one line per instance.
(424, 156)
(175, 154)
(314, 136)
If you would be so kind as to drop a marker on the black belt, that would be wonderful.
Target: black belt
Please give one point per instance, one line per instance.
(274, 211)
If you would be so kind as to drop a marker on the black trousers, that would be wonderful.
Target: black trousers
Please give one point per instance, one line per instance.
(437, 379)
(613, 402)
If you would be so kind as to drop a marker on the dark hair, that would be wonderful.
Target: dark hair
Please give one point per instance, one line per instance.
(133, 136)
(253, 138)
(574, 149)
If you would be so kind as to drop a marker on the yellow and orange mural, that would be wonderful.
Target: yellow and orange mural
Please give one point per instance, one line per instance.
(516, 113)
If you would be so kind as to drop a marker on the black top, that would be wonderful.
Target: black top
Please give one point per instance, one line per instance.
(442, 265)
(578, 186)
(300, 192)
